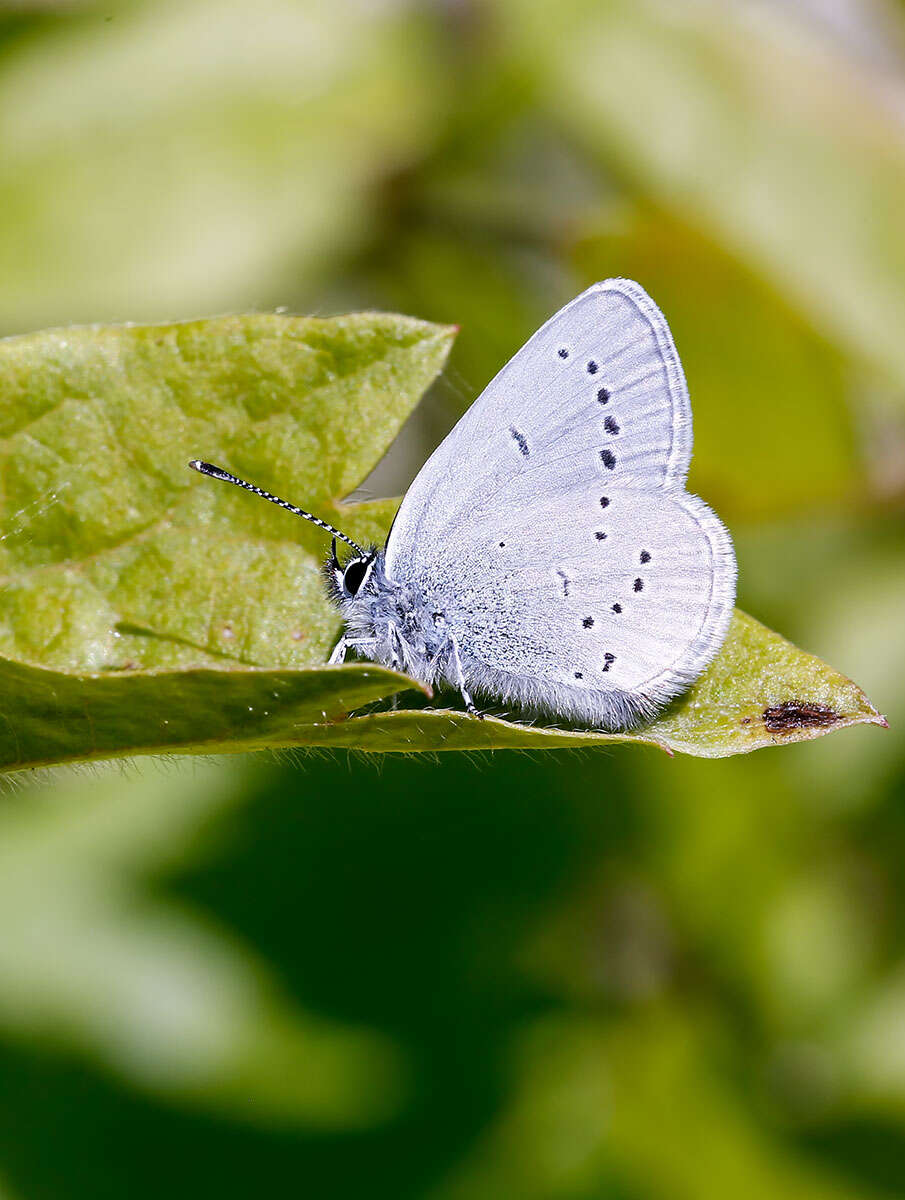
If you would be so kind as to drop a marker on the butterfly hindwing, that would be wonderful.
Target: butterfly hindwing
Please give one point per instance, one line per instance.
(612, 612)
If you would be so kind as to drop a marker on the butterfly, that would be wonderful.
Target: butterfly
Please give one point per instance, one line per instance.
(548, 555)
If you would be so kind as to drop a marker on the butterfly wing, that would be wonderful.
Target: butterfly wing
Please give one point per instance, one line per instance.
(553, 528)
(599, 615)
(597, 393)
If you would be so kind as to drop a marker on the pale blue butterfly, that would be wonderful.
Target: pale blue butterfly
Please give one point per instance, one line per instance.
(548, 555)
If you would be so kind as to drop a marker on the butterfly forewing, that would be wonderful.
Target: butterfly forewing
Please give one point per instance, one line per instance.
(597, 392)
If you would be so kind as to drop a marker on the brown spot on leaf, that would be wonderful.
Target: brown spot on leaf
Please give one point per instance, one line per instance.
(798, 714)
(297, 635)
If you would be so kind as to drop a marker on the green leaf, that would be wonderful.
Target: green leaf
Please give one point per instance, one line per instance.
(761, 691)
(50, 716)
(146, 609)
(116, 557)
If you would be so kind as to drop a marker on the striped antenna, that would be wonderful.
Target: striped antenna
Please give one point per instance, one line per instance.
(227, 476)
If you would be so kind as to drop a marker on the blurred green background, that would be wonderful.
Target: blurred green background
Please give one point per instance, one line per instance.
(585, 977)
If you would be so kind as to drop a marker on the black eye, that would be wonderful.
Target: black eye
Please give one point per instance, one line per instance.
(354, 575)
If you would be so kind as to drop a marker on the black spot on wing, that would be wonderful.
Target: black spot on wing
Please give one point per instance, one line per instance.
(520, 440)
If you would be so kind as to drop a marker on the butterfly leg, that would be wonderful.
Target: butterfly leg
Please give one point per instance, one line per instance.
(460, 678)
(398, 662)
(345, 644)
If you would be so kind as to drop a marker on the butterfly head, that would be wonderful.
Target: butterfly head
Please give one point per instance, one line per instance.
(347, 580)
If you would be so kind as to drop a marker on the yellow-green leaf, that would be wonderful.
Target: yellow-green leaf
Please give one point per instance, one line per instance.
(115, 557)
(146, 609)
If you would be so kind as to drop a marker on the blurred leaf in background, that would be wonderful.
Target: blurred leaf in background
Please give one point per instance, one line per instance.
(164, 159)
(788, 151)
(606, 976)
(144, 987)
(767, 353)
